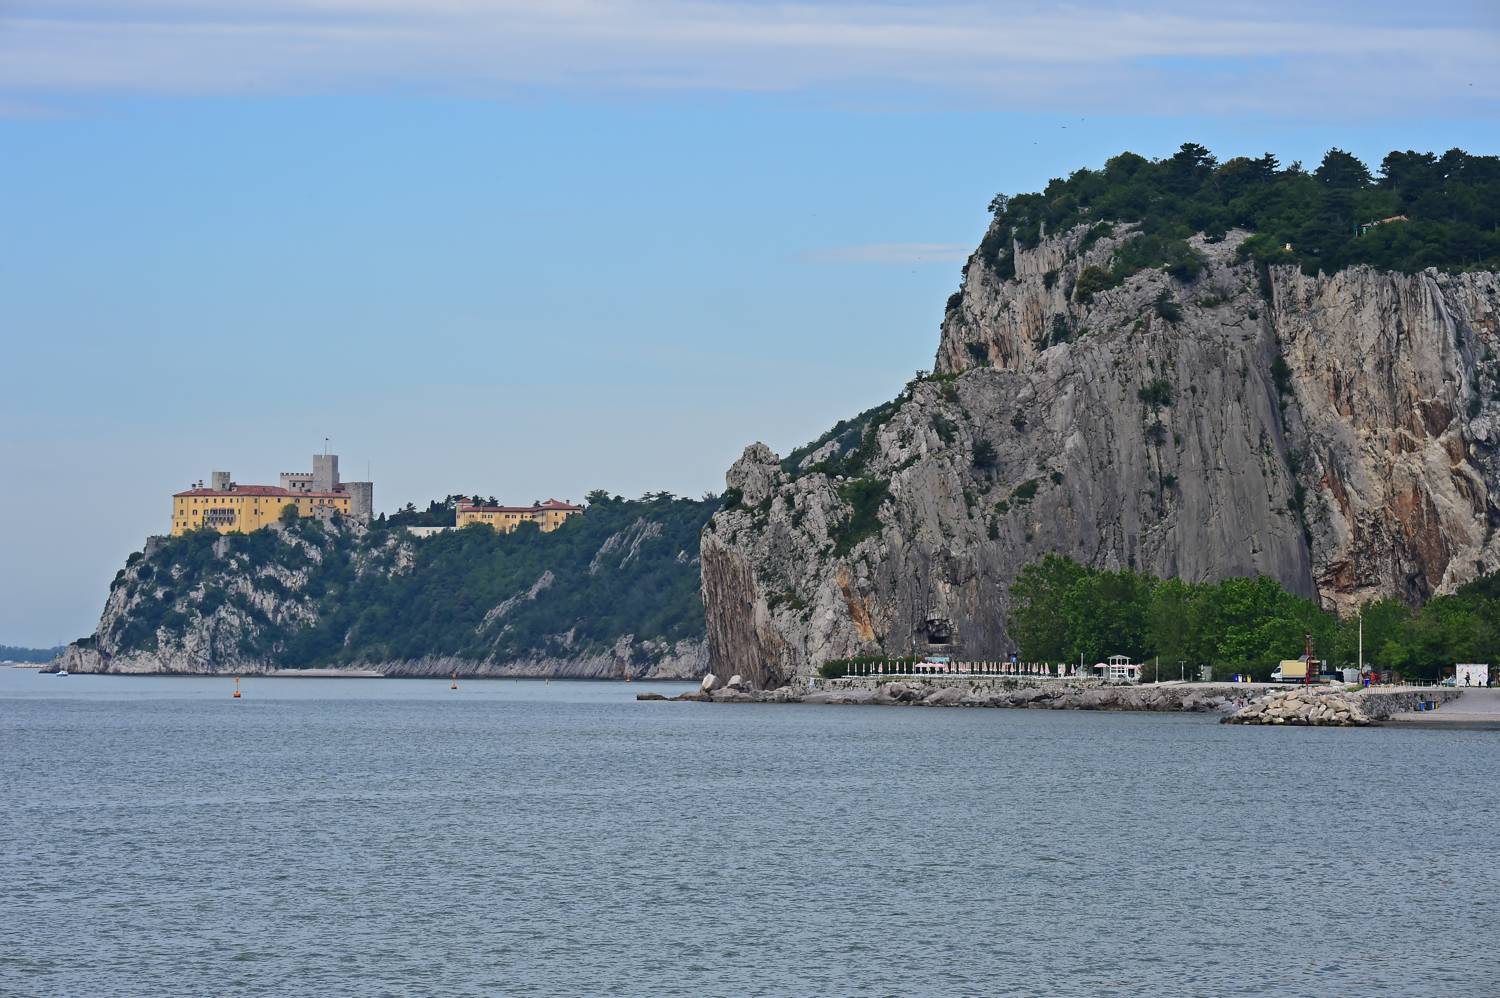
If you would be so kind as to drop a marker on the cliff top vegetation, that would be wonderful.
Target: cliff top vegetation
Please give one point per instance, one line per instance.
(1450, 204)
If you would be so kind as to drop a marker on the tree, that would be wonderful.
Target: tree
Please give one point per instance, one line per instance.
(1342, 171)
(289, 514)
(1037, 595)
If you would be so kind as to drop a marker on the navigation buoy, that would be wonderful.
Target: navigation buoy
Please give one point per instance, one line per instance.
(236, 687)
(455, 681)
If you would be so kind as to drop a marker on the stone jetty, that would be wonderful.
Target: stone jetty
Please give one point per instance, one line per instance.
(1337, 706)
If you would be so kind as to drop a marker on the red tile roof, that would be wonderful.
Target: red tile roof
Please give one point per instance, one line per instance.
(260, 490)
(550, 504)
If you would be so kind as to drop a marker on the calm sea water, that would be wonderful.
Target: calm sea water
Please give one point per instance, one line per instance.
(395, 837)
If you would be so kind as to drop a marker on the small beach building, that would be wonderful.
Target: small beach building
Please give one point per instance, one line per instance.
(1118, 670)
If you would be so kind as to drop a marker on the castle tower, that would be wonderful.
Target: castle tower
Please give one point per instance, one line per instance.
(325, 473)
(220, 481)
(361, 500)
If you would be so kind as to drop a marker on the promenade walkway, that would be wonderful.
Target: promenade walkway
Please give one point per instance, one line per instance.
(1477, 707)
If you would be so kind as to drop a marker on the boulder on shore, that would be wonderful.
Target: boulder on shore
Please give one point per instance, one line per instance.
(948, 696)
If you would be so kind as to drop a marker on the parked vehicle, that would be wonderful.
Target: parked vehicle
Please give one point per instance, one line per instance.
(1294, 670)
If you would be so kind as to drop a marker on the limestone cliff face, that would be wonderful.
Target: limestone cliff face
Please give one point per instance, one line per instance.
(1337, 433)
(230, 608)
(198, 635)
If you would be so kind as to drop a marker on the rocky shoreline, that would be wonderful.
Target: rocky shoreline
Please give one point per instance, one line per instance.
(937, 693)
(684, 660)
(1238, 703)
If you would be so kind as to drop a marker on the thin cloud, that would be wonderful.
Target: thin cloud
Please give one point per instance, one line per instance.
(893, 253)
(1035, 56)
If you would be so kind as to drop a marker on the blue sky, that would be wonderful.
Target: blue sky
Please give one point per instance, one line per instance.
(535, 249)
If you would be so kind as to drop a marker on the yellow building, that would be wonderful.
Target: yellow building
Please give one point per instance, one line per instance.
(243, 508)
(229, 507)
(547, 515)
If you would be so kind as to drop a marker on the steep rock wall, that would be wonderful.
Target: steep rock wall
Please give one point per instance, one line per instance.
(1337, 433)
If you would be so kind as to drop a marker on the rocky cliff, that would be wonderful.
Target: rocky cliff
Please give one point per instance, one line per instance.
(611, 593)
(1336, 432)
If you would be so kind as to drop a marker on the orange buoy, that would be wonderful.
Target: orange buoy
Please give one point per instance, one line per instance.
(236, 687)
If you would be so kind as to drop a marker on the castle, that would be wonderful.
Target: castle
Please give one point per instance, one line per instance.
(228, 507)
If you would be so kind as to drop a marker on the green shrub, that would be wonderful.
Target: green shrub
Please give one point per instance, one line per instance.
(1094, 234)
(944, 427)
(1157, 394)
(1092, 281)
(1167, 307)
(1061, 329)
(864, 496)
(1281, 376)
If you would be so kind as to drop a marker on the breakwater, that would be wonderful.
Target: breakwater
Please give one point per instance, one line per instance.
(1336, 707)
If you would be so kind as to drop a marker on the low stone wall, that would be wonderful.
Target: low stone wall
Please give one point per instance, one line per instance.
(1380, 704)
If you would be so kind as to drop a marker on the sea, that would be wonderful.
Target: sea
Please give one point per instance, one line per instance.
(520, 837)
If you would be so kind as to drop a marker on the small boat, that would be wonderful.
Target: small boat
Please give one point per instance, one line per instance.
(61, 672)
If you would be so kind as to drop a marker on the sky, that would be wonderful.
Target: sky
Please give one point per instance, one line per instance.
(533, 249)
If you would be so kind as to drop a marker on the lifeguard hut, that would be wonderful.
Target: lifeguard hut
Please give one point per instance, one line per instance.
(1118, 671)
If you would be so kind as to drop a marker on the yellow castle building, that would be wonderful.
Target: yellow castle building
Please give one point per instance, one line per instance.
(229, 507)
(547, 515)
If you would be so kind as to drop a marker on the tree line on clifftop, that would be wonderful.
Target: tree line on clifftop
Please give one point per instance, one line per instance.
(1450, 204)
(1062, 611)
